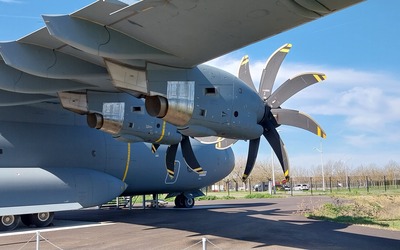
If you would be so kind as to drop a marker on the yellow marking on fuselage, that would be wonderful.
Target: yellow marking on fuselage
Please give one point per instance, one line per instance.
(162, 132)
(128, 161)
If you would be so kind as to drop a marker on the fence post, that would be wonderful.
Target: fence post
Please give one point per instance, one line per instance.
(311, 185)
(291, 186)
(330, 183)
(37, 240)
(366, 178)
(249, 185)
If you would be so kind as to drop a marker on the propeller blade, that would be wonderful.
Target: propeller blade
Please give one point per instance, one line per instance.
(293, 86)
(271, 70)
(189, 156)
(251, 157)
(298, 119)
(244, 72)
(277, 145)
(170, 159)
(154, 147)
(225, 143)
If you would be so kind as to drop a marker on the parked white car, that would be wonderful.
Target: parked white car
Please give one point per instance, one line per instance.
(301, 187)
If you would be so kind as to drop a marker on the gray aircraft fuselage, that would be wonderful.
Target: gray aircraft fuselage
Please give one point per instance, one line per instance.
(50, 159)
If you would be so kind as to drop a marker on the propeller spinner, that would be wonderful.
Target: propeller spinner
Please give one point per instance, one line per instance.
(274, 115)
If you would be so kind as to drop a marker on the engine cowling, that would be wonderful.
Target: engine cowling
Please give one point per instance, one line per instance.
(205, 101)
(177, 108)
(122, 116)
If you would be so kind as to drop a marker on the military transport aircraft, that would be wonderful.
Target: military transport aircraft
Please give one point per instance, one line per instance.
(81, 95)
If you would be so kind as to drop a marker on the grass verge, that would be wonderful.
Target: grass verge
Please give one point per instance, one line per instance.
(373, 210)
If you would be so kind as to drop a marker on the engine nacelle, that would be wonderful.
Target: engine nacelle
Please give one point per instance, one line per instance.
(204, 101)
(122, 116)
(177, 108)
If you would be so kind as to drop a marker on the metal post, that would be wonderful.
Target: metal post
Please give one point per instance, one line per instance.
(273, 171)
(144, 201)
(291, 187)
(37, 240)
(366, 178)
(204, 242)
(311, 185)
(330, 183)
(156, 200)
(130, 202)
(250, 185)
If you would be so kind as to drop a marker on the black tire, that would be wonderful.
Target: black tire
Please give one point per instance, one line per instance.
(9, 222)
(189, 202)
(42, 219)
(180, 201)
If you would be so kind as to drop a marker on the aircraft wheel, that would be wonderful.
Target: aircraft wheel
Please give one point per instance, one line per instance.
(189, 202)
(9, 222)
(180, 201)
(39, 220)
(42, 219)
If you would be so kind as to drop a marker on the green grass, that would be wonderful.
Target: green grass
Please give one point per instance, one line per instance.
(363, 209)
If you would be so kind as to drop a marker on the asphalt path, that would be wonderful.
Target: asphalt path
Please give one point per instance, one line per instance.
(225, 224)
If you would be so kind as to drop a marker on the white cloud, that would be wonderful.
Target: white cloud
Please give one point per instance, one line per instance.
(10, 1)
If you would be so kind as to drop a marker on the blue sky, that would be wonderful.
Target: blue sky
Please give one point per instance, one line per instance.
(359, 104)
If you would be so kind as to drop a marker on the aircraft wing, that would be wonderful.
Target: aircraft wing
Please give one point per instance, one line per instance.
(71, 49)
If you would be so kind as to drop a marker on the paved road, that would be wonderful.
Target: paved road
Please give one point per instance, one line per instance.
(231, 224)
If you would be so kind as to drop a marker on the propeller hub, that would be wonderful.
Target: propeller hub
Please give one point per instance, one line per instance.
(268, 122)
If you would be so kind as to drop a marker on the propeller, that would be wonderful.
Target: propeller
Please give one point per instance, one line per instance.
(188, 155)
(274, 115)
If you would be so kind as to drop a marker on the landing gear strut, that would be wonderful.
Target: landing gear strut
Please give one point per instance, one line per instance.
(181, 201)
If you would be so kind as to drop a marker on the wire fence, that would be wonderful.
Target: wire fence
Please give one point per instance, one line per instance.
(311, 185)
(349, 183)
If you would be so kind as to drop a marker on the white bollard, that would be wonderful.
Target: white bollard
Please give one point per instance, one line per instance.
(204, 241)
(37, 240)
